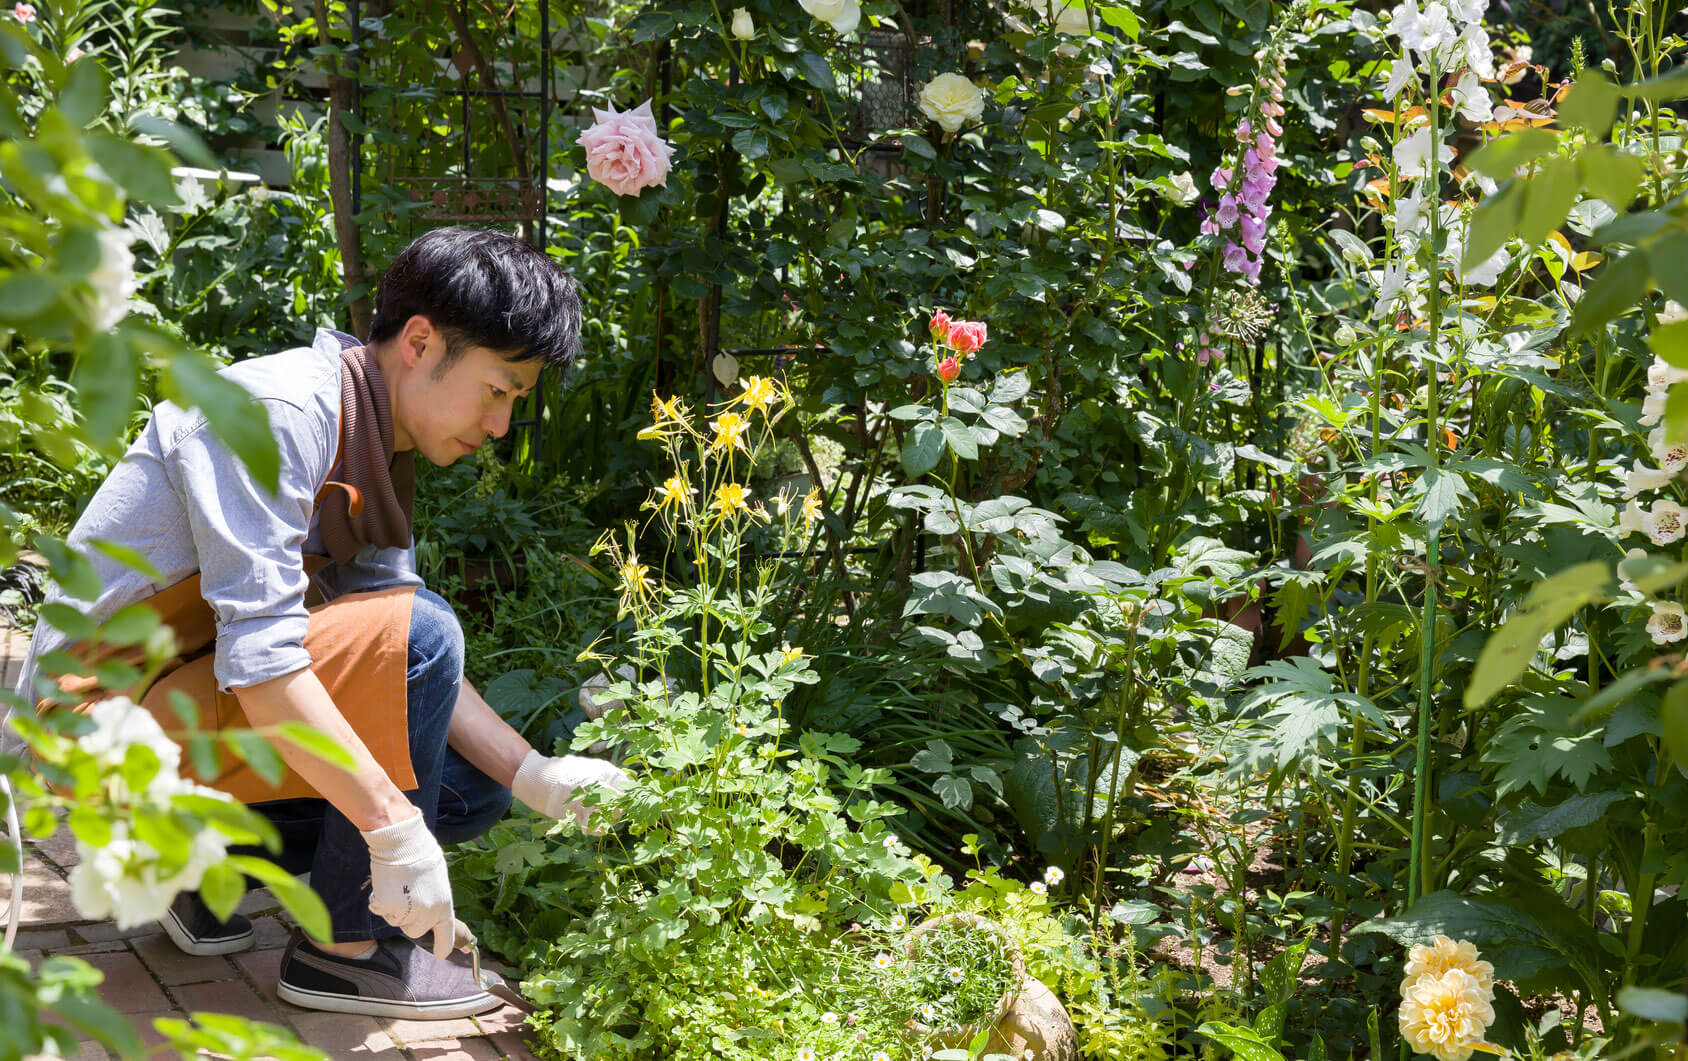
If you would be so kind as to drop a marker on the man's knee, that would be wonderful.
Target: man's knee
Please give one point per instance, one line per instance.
(436, 638)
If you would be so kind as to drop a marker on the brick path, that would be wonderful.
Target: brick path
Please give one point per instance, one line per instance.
(146, 976)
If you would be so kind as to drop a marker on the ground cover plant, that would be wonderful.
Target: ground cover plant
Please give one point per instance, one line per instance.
(1194, 484)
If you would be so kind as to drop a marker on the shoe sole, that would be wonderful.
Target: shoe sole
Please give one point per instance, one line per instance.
(202, 948)
(377, 1007)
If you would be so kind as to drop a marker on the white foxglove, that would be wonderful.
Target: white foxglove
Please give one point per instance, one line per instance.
(1669, 622)
(1653, 408)
(1672, 456)
(1633, 520)
(1641, 478)
(1665, 523)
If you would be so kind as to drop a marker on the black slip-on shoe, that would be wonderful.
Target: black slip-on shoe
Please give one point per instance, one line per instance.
(401, 979)
(194, 929)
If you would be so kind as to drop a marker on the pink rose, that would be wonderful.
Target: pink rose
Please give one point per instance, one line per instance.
(624, 152)
(24, 12)
(966, 336)
(949, 368)
(940, 325)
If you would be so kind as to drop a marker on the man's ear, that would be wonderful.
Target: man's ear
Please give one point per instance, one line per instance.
(414, 340)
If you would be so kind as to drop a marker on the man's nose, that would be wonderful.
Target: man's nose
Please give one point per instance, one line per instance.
(498, 421)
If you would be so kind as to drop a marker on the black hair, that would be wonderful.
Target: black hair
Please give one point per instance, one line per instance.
(484, 288)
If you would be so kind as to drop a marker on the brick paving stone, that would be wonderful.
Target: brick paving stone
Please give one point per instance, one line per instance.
(59, 849)
(41, 939)
(421, 1031)
(108, 946)
(455, 1050)
(102, 931)
(342, 1034)
(505, 1019)
(46, 896)
(258, 901)
(269, 932)
(173, 967)
(234, 997)
(128, 987)
(264, 968)
(515, 1047)
(143, 1024)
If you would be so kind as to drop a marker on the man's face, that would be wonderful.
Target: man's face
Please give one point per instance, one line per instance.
(444, 416)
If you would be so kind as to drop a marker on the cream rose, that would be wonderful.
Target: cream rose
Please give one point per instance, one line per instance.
(743, 27)
(841, 15)
(952, 101)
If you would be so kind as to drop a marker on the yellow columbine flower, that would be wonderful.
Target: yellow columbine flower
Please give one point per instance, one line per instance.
(664, 411)
(730, 430)
(730, 498)
(636, 584)
(760, 394)
(811, 509)
(672, 495)
(791, 655)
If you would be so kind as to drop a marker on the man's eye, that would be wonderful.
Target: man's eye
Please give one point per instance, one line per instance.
(497, 394)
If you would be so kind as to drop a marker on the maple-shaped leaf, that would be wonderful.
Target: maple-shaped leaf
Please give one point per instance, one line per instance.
(1540, 743)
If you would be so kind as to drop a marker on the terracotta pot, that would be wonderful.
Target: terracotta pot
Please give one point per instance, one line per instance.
(1028, 1017)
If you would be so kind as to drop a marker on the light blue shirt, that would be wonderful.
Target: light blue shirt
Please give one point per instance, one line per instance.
(181, 498)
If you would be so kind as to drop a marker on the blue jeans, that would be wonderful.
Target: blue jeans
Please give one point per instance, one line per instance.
(458, 801)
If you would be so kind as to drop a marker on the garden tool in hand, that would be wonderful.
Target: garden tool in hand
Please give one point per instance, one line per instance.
(491, 982)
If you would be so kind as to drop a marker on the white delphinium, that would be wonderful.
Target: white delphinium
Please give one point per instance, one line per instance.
(1669, 622)
(1412, 155)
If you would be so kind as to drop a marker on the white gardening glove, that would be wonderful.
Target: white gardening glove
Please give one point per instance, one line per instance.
(409, 887)
(548, 784)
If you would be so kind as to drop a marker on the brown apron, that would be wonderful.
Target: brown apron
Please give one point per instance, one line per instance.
(358, 644)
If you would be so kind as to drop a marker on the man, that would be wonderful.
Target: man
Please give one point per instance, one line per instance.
(464, 322)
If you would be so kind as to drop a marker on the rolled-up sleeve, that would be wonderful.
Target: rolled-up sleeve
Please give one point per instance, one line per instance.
(248, 542)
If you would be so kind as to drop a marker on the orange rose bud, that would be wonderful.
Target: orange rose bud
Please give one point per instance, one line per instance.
(949, 368)
(966, 336)
(940, 325)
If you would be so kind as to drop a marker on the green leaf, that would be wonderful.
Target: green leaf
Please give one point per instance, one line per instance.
(919, 146)
(1501, 158)
(1665, 87)
(1670, 342)
(1654, 1004)
(191, 381)
(299, 900)
(1121, 18)
(1245, 1042)
(1611, 175)
(318, 743)
(1517, 943)
(1530, 823)
(129, 626)
(70, 569)
(94, 1017)
(1592, 104)
(955, 792)
(817, 72)
(68, 620)
(1616, 291)
(1440, 492)
(222, 889)
(959, 438)
(922, 447)
(1548, 197)
(1511, 648)
(142, 170)
(23, 295)
(1010, 388)
(1673, 722)
(82, 98)
(258, 753)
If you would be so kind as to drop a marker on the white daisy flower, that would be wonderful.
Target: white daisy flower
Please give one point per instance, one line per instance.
(898, 922)
(1038, 887)
(956, 975)
(881, 960)
(806, 1053)
(1054, 875)
(928, 1012)
(829, 1018)
(880, 1055)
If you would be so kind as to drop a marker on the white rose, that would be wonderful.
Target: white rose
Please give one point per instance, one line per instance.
(841, 15)
(743, 27)
(1071, 18)
(1181, 188)
(113, 280)
(120, 722)
(952, 101)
